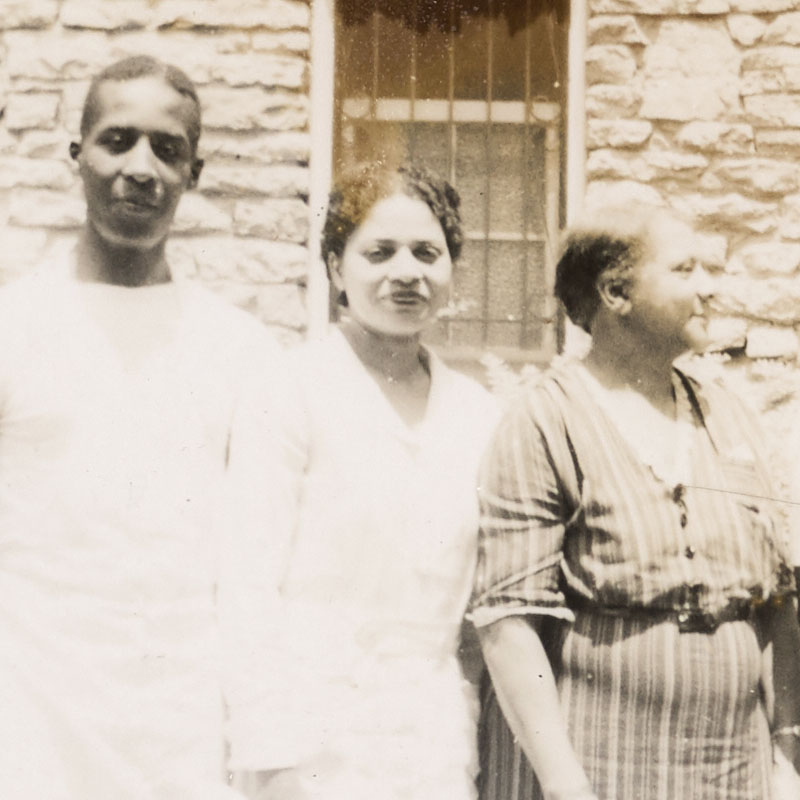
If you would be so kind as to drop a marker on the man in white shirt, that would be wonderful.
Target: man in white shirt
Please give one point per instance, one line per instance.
(135, 426)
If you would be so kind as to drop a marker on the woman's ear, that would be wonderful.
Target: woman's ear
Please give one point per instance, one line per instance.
(614, 294)
(335, 272)
(74, 150)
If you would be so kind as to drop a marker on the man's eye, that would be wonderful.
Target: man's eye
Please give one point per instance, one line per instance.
(168, 150)
(426, 253)
(686, 266)
(118, 141)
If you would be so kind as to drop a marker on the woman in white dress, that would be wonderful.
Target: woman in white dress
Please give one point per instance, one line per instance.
(386, 527)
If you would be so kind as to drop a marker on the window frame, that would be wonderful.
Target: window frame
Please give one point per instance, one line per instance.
(322, 60)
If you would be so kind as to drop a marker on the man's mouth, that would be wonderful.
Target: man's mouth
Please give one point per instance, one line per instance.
(135, 203)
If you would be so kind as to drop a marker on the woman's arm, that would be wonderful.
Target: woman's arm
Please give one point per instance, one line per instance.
(526, 689)
(783, 662)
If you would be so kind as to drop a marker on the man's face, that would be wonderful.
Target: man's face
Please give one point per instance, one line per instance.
(137, 160)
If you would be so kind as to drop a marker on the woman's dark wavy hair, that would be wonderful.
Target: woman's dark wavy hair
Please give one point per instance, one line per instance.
(611, 246)
(363, 185)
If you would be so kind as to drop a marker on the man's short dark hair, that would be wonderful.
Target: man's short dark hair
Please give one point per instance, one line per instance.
(132, 68)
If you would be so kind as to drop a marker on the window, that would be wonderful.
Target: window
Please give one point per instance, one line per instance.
(476, 90)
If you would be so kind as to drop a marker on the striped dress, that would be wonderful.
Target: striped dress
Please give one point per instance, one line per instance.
(574, 521)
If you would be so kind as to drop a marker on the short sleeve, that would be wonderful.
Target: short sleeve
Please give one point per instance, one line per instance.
(527, 497)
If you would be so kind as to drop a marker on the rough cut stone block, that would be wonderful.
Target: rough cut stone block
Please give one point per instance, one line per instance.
(716, 137)
(197, 214)
(28, 13)
(22, 248)
(272, 181)
(769, 299)
(283, 41)
(784, 29)
(659, 7)
(246, 260)
(8, 143)
(770, 58)
(618, 132)
(280, 220)
(712, 249)
(775, 110)
(609, 100)
(31, 110)
(615, 30)
(196, 52)
(41, 144)
(745, 28)
(608, 63)
(672, 164)
(277, 304)
(764, 6)
(105, 15)
(603, 194)
(767, 341)
(762, 175)
(779, 141)
(690, 72)
(769, 258)
(56, 55)
(271, 71)
(789, 225)
(759, 81)
(40, 208)
(267, 148)
(616, 165)
(726, 333)
(731, 210)
(252, 108)
(35, 173)
(270, 14)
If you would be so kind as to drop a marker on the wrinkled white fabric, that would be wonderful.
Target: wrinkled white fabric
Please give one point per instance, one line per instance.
(378, 580)
(115, 413)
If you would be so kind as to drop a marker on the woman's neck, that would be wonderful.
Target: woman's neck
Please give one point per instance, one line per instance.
(621, 363)
(397, 358)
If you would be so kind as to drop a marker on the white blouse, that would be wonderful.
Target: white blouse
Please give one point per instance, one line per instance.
(379, 576)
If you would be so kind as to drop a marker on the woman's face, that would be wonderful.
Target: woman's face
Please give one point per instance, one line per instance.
(396, 268)
(670, 288)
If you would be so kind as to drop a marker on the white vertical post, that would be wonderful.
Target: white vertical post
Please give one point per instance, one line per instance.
(321, 166)
(575, 340)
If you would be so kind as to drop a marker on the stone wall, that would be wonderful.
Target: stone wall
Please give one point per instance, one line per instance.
(244, 230)
(696, 103)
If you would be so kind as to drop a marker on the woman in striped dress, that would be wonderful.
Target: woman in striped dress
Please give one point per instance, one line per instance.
(633, 597)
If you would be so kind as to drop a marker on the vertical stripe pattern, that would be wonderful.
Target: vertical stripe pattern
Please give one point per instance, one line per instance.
(570, 510)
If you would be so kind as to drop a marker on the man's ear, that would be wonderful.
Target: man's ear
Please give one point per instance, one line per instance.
(195, 170)
(74, 150)
(614, 293)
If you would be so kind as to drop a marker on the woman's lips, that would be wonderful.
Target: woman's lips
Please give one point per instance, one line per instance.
(407, 298)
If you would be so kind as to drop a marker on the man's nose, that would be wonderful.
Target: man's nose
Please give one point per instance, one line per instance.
(140, 164)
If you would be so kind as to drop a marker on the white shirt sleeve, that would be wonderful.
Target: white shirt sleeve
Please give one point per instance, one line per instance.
(266, 463)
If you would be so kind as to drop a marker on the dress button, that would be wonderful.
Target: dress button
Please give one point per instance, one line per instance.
(684, 519)
(689, 552)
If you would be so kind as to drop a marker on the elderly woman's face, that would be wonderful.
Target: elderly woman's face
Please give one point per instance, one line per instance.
(670, 288)
(396, 268)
